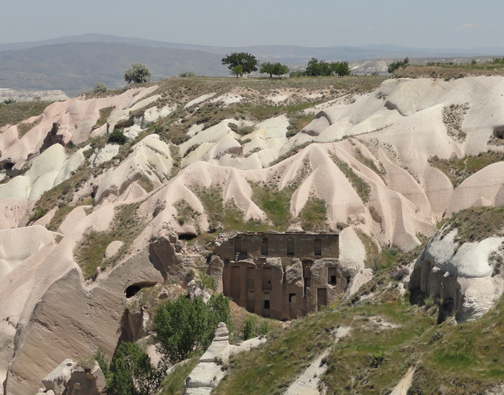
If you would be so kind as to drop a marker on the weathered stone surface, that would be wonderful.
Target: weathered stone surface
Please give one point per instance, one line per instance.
(86, 382)
(58, 378)
(460, 275)
(208, 373)
(113, 248)
(216, 269)
(197, 291)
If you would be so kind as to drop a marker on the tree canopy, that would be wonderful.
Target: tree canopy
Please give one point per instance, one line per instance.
(137, 73)
(247, 61)
(131, 371)
(272, 69)
(323, 68)
(183, 326)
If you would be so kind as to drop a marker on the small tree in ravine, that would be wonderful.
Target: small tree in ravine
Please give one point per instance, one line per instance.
(246, 60)
(397, 64)
(137, 73)
(272, 69)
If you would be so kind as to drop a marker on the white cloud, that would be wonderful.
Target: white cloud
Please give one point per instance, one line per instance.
(466, 26)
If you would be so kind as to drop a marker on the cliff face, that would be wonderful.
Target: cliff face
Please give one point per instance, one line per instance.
(378, 165)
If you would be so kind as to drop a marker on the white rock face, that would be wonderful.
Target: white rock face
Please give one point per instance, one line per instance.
(462, 274)
(51, 168)
(17, 245)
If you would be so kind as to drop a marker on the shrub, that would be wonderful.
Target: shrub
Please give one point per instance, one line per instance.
(116, 137)
(248, 331)
(10, 100)
(377, 359)
(100, 87)
(187, 74)
(39, 213)
(397, 64)
(399, 274)
(137, 73)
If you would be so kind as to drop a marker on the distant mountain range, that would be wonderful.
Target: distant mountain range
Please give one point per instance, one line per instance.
(75, 63)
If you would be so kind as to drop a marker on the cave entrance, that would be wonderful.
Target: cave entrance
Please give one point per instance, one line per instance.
(133, 289)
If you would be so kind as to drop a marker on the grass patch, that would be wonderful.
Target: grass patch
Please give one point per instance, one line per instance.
(293, 151)
(275, 203)
(476, 224)
(174, 383)
(448, 71)
(269, 369)
(90, 252)
(185, 212)
(59, 217)
(361, 187)
(14, 113)
(62, 194)
(459, 169)
(297, 122)
(313, 215)
(24, 127)
(104, 115)
(376, 258)
(146, 184)
(370, 163)
(224, 216)
(462, 359)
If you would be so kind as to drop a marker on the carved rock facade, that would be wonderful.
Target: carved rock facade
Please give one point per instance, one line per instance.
(281, 275)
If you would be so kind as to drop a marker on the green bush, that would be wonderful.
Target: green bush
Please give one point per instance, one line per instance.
(116, 137)
(137, 73)
(131, 371)
(100, 87)
(183, 327)
(248, 331)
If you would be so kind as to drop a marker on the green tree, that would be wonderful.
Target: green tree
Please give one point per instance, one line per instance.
(132, 372)
(246, 60)
(398, 64)
(237, 70)
(340, 68)
(272, 69)
(316, 68)
(137, 73)
(183, 327)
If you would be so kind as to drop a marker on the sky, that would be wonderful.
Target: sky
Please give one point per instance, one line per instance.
(313, 23)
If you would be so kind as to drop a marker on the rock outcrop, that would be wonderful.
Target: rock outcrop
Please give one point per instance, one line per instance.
(70, 378)
(208, 373)
(462, 276)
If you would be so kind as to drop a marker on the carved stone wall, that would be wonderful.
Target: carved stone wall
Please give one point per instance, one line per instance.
(282, 275)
